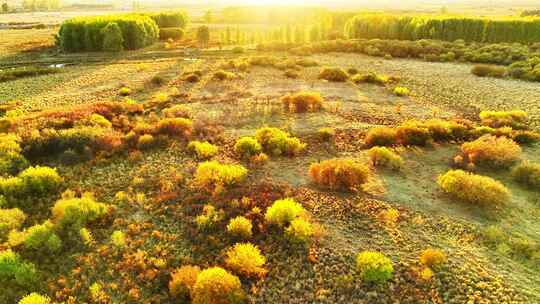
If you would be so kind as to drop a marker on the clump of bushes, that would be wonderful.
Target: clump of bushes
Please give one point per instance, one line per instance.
(277, 142)
(413, 133)
(527, 174)
(10, 219)
(11, 159)
(303, 102)
(374, 267)
(474, 189)
(383, 136)
(217, 286)
(88, 34)
(183, 281)
(382, 156)
(42, 237)
(245, 259)
(77, 212)
(212, 174)
(334, 74)
(432, 257)
(203, 150)
(514, 119)
(283, 212)
(492, 151)
(240, 227)
(14, 269)
(34, 181)
(181, 127)
(483, 70)
(247, 147)
(401, 91)
(339, 174)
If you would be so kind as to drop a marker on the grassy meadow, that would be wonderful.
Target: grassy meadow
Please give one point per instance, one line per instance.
(165, 157)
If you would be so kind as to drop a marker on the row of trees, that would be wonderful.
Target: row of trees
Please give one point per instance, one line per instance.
(41, 5)
(443, 28)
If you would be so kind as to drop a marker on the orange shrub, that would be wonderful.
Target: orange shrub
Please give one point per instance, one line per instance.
(339, 174)
(175, 127)
(382, 136)
(432, 257)
(303, 102)
(183, 280)
(491, 151)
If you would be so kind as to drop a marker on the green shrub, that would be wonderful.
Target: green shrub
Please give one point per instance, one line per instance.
(283, 212)
(413, 134)
(339, 174)
(303, 102)
(277, 142)
(77, 212)
(42, 238)
(12, 163)
(203, 150)
(173, 33)
(88, 34)
(527, 174)
(333, 74)
(483, 70)
(247, 147)
(35, 298)
(240, 227)
(299, 231)
(382, 156)
(374, 267)
(10, 219)
(382, 136)
(174, 19)
(13, 268)
(40, 180)
(245, 259)
(492, 151)
(112, 38)
(217, 286)
(513, 119)
(370, 78)
(212, 174)
(474, 189)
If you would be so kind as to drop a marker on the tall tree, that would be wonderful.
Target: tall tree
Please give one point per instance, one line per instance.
(203, 35)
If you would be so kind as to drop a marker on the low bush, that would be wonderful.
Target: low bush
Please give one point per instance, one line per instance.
(371, 78)
(326, 134)
(34, 182)
(382, 136)
(181, 127)
(527, 174)
(401, 91)
(247, 147)
(339, 174)
(42, 238)
(22, 72)
(177, 111)
(35, 298)
(474, 189)
(174, 33)
(240, 227)
(299, 231)
(492, 151)
(303, 102)
(382, 156)
(483, 70)
(183, 281)
(245, 259)
(223, 75)
(124, 91)
(277, 142)
(212, 174)
(334, 74)
(432, 257)
(77, 212)
(217, 286)
(413, 133)
(209, 218)
(283, 212)
(374, 267)
(514, 119)
(14, 269)
(203, 150)
(525, 137)
(10, 219)
(145, 142)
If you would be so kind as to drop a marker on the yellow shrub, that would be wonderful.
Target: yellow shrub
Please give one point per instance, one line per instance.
(432, 257)
(333, 74)
(216, 286)
(213, 174)
(245, 259)
(277, 142)
(382, 136)
(401, 91)
(514, 119)
(203, 150)
(35, 298)
(183, 281)
(240, 227)
(382, 156)
(247, 146)
(339, 174)
(491, 151)
(282, 212)
(175, 127)
(146, 141)
(303, 102)
(474, 188)
(10, 219)
(299, 231)
(374, 267)
(528, 174)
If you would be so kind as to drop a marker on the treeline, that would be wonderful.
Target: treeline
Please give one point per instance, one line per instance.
(41, 5)
(269, 15)
(443, 28)
(531, 13)
(116, 32)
